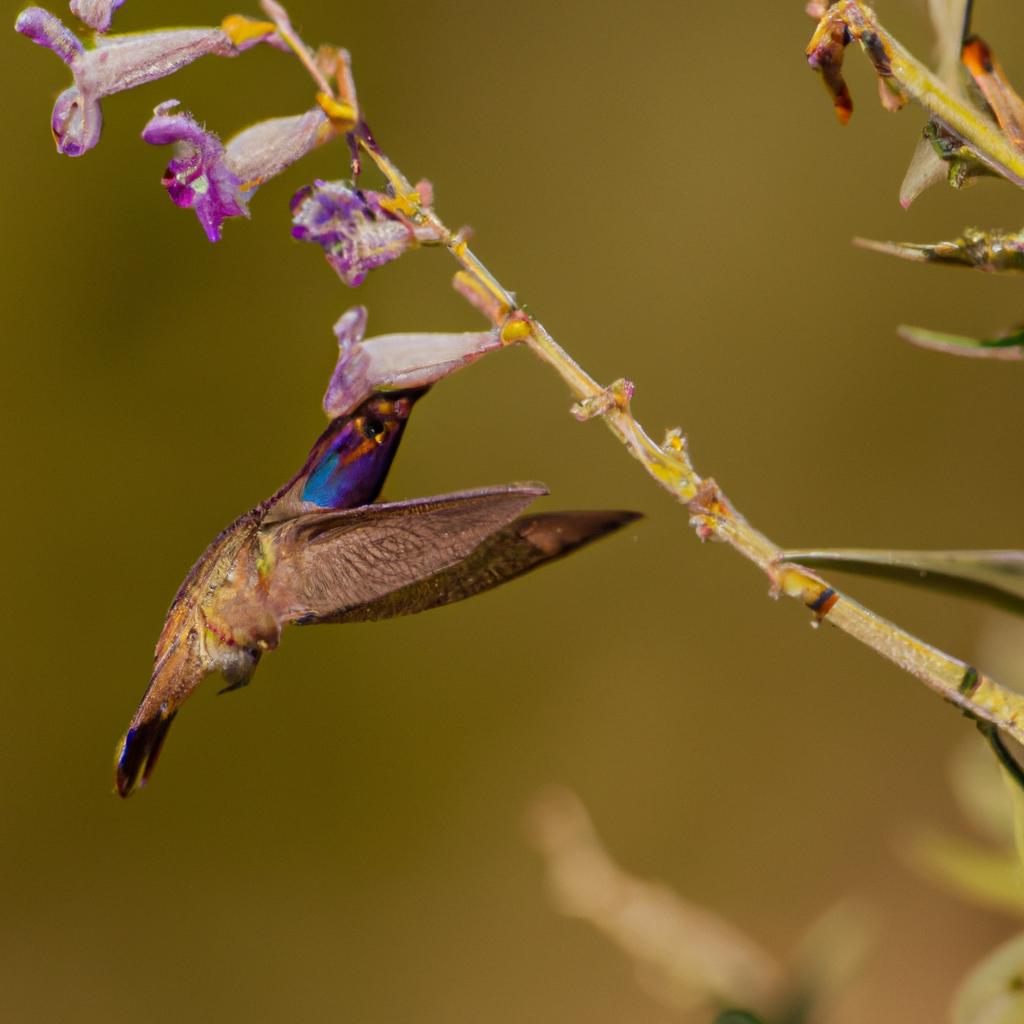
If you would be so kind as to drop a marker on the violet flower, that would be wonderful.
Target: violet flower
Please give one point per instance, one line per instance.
(97, 14)
(117, 63)
(198, 176)
(393, 362)
(354, 227)
(218, 180)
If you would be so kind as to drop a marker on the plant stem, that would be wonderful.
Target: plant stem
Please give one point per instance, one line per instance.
(904, 77)
(669, 464)
(714, 517)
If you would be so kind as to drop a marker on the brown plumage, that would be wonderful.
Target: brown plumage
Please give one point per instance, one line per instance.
(291, 560)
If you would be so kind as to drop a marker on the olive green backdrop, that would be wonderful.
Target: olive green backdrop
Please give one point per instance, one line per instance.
(665, 185)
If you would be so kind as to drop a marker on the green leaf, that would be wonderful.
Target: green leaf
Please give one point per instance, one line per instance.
(975, 778)
(994, 252)
(983, 875)
(1013, 777)
(949, 20)
(737, 1017)
(993, 992)
(829, 956)
(993, 576)
(1009, 348)
(926, 168)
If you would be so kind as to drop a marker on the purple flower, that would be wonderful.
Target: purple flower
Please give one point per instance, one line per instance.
(355, 228)
(392, 362)
(95, 13)
(217, 181)
(198, 176)
(117, 63)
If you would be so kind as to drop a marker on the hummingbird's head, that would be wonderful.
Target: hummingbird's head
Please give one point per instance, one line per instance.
(350, 460)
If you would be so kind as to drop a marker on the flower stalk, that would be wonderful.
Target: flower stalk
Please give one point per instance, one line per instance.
(711, 513)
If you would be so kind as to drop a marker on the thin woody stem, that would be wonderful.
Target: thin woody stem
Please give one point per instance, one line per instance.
(670, 465)
(279, 16)
(710, 511)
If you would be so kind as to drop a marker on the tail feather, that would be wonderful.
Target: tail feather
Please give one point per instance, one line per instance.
(179, 670)
(138, 753)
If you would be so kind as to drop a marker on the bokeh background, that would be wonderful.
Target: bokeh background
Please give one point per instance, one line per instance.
(665, 185)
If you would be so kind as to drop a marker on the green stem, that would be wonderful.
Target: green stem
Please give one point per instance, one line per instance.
(710, 511)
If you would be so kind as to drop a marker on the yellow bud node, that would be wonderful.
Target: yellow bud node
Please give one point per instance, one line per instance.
(515, 330)
(241, 30)
(406, 205)
(342, 115)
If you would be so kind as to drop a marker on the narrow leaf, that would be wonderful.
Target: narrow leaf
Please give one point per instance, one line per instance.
(974, 779)
(994, 252)
(1000, 95)
(949, 21)
(926, 168)
(1013, 778)
(986, 876)
(993, 576)
(1007, 349)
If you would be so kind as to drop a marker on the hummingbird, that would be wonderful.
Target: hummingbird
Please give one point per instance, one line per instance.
(322, 550)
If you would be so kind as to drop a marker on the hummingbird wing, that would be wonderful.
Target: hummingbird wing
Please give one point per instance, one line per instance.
(329, 563)
(524, 544)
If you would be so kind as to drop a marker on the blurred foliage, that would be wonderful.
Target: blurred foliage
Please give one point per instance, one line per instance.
(994, 991)
(688, 957)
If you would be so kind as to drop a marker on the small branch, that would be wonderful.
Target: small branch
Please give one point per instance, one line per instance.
(669, 464)
(688, 957)
(902, 77)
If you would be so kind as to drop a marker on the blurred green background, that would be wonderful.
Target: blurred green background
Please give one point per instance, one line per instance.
(666, 187)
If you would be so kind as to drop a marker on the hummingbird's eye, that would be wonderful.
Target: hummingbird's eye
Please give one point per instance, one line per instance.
(373, 429)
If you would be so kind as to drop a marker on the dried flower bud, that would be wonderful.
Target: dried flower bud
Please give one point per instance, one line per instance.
(265, 149)
(393, 362)
(97, 14)
(117, 63)
(45, 29)
(355, 228)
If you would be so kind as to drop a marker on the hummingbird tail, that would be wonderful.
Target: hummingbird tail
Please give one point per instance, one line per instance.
(179, 670)
(138, 752)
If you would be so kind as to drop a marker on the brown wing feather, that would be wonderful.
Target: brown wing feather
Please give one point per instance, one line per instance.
(529, 542)
(328, 563)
